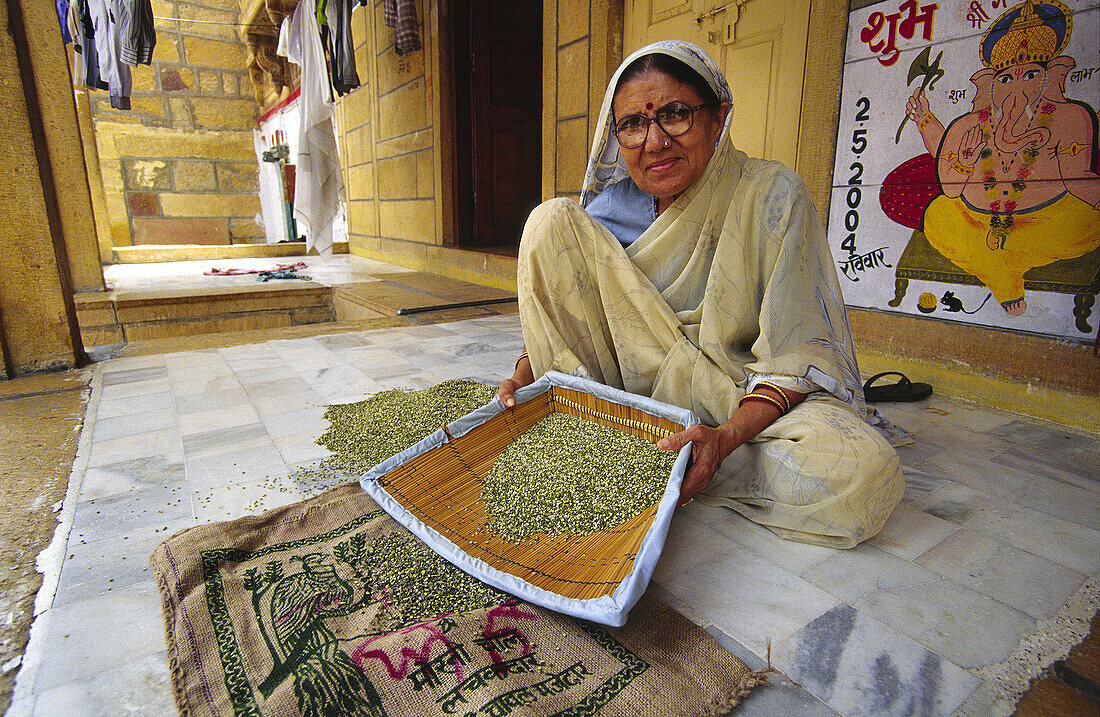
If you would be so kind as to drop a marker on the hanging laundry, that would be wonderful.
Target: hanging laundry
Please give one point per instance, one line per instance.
(89, 53)
(341, 46)
(63, 18)
(137, 30)
(318, 185)
(401, 16)
(108, 47)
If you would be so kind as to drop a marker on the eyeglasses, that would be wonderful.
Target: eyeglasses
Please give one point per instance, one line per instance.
(674, 119)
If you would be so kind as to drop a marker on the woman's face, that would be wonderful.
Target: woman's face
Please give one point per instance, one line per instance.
(657, 169)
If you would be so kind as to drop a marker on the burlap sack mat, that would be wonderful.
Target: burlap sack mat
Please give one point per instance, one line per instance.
(273, 615)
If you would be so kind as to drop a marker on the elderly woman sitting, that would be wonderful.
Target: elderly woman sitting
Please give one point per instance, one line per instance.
(701, 277)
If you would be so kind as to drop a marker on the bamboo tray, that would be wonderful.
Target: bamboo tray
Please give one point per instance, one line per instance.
(434, 489)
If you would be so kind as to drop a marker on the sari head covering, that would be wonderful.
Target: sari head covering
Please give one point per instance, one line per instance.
(605, 164)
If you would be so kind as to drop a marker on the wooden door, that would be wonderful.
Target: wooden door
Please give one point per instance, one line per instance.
(760, 46)
(498, 65)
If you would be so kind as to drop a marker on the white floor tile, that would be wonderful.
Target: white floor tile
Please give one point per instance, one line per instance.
(750, 599)
(1033, 585)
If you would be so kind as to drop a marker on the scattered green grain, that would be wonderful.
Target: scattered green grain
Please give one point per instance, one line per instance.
(569, 476)
(361, 435)
(423, 585)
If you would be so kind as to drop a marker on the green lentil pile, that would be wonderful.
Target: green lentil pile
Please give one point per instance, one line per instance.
(423, 585)
(361, 435)
(568, 476)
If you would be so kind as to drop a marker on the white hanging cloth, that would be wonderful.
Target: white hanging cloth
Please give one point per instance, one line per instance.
(318, 185)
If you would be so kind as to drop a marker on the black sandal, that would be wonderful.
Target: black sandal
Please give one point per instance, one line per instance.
(903, 390)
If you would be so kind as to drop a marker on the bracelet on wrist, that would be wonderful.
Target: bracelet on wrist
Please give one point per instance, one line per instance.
(781, 392)
(762, 397)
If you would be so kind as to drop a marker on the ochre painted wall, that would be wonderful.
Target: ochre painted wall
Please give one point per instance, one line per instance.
(582, 46)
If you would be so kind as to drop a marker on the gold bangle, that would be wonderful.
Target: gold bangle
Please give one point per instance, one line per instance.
(762, 397)
(522, 356)
(924, 122)
(961, 169)
(777, 389)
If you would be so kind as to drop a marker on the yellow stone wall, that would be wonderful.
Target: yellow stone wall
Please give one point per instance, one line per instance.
(47, 214)
(179, 167)
(582, 46)
(387, 130)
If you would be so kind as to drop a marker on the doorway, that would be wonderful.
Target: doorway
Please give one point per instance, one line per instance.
(497, 150)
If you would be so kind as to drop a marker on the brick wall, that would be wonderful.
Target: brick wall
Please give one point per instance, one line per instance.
(179, 167)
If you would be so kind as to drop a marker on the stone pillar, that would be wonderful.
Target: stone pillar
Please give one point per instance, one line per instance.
(38, 328)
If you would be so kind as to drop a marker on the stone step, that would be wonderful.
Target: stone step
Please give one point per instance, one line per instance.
(118, 317)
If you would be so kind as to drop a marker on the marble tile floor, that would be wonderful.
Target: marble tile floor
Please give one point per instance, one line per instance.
(999, 530)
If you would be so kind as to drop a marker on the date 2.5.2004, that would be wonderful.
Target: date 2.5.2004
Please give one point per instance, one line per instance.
(857, 262)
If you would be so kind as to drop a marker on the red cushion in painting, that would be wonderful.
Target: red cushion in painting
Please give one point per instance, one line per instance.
(908, 189)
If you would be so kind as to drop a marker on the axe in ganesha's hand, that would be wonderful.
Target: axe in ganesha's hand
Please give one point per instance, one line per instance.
(930, 71)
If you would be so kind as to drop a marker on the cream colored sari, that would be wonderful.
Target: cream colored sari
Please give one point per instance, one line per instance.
(732, 284)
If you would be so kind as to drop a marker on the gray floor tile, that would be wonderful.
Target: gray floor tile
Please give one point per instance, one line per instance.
(1062, 500)
(787, 554)
(850, 574)
(779, 696)
(687, 545)
(163, 444)
(93, 568)
(1059, 465)
(114, 408)
(978, 471)
(140, 687)
(130, 424)
(861, 667)
(1067, 543)
(239, 466)
(941, 615)
(212, 442)
(910, 532)
(918, 483)
(130, 476)
(1033, 585)
(750, 599)
(199, 402)
(102, 518)
(89, 636)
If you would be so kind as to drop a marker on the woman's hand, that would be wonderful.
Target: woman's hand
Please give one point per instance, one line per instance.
(522, 376)
(709, 447)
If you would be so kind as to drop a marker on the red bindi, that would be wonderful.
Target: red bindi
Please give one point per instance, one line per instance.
(649, 105)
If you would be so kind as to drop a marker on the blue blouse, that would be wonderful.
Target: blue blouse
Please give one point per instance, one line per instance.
(624, 209)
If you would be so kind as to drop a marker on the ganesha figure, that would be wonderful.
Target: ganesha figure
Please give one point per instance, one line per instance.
(1018, 172)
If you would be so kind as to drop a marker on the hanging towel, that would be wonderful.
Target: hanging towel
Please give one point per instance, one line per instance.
(318, 186)
(401, 16)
